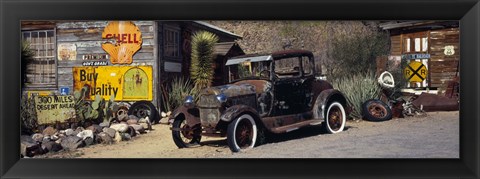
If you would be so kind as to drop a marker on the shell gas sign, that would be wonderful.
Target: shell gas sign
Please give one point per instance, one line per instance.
(127, 41)
(126, 83)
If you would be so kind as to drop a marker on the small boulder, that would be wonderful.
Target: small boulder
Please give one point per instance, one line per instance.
(49, 131)
(104, 138)
(117, 137)
(89, 141)
(111, 132)
(138, 128)
(51, 146)
(72, 143)
(119, 127)
(133, 117)
(69, 132)
(131, 131)
(85, 134)
(126, 137)
(38, 137)
(104, 124)
(132, 121)
(29, 147)
(95, 128)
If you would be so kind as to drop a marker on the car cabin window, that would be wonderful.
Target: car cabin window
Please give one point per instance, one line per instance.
(287, 67)
(307, 66)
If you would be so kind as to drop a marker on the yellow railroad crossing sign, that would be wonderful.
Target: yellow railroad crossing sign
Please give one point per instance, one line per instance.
(415, 72)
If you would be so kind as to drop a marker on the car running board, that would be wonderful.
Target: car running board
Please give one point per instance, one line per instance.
(292, 127)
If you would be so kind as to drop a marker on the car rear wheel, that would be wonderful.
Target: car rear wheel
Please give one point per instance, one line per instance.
(242, 133)
(335, 118)
(184, 135)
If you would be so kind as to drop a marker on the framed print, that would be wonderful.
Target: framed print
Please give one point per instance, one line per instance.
(118, 89)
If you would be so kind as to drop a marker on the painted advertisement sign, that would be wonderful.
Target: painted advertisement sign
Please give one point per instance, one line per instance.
(51, 109)
(126, 83)
(67, 51)
(127, 41)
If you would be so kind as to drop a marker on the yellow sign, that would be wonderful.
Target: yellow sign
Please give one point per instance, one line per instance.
(126, 83)
(128, 40)
(415, 72)
(51, 109)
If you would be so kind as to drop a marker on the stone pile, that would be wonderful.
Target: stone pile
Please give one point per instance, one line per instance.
(54, 140)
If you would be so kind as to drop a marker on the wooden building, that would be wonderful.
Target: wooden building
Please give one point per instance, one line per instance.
(436, 44)
(61, 46)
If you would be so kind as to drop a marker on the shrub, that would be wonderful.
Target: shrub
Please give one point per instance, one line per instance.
(175, 93)
(357, 89)
(28, 116)
(201, 72)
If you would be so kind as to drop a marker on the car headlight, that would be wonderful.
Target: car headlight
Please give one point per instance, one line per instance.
(188, 101)
(222, 98)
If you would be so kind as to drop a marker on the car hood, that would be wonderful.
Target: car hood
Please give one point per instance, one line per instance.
(230, 90)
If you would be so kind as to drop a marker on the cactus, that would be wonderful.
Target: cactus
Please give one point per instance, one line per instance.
(98, 109)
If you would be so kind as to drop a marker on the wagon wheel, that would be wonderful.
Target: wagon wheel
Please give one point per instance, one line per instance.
(376, 110)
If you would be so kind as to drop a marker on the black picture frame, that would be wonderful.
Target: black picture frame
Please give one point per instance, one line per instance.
(13, 11)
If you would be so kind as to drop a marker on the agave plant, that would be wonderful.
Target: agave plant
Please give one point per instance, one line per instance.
(357, 89)
(27, 55)
(201, 72)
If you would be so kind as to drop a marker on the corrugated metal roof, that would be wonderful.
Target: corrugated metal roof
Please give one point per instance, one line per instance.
(217, 28)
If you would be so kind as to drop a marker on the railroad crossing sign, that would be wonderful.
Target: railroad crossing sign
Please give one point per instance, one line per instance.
(415, 72)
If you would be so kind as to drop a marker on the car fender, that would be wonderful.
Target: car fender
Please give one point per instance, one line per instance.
(236, 110)
(326, 97)
(191, 114)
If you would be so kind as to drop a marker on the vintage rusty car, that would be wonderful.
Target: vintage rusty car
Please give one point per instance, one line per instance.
(272, 93)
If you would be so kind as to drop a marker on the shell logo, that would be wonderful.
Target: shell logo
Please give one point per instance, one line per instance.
(128, 41)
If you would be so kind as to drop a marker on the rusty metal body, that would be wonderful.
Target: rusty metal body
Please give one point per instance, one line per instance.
(279, 104)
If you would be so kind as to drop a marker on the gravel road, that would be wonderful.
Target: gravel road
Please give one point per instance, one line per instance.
(434, 136)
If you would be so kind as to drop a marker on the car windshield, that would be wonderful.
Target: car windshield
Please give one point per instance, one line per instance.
(249, 70)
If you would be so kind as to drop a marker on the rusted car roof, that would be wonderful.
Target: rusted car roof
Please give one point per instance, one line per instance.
(262, 56)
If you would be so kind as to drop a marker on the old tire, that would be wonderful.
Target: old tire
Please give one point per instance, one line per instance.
(188, 136)
(143, 109)
(376, 110)
(335, 118)
(242, 133)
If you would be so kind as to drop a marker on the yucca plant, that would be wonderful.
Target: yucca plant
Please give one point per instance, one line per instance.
(358, 88)
(201, 72)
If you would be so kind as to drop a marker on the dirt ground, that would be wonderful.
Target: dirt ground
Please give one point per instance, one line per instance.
(434, 136)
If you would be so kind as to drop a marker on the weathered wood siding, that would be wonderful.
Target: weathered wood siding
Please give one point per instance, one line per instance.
(443, 68)
(87, 37)
(395, 45)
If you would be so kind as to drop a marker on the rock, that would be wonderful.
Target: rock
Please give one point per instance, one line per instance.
(104, 124)
(49, 131)
(29, 147)
(138, 128)
(69, 132)
(169, 113)
(51, 146)
(85, 134)
(72, 143)
(164, 114)
(96, 128)
(79, 129)
(143, 120)
(132, 121)
(104, 138)
(38, 137)
(119, 127)
(133, 117)
(117, 137)
(122, 116)
(111, 132)
(126, 136)
(146, 126)
(131, 131)
(61, 132)
(89, 141)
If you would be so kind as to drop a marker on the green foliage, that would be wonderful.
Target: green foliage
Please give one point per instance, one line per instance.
(201, 71)
(27, 55)
(354, 54)
(357, 89)
(28, 114)
(176, 92)
(96, 110)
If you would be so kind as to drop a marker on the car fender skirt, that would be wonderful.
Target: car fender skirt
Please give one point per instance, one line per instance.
(326, 97)
(230, 113)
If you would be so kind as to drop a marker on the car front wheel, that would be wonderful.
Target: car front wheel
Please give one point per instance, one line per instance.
(335, 118)
(242, 133)
(185, 136)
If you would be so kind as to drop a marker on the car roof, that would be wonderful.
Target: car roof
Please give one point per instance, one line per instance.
(267, 57)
